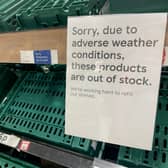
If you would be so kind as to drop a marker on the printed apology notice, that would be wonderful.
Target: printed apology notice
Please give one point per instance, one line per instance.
(113, 74)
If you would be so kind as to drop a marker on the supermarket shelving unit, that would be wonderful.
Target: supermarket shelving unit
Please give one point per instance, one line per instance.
(12, 43)
(10, 46)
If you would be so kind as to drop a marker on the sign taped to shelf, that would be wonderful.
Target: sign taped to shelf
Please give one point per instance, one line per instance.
(113, 75)
(104, 164)
(9, 140)
(41, 57)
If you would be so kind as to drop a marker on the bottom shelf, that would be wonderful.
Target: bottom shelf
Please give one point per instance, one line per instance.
(7, 161)
(60, 156)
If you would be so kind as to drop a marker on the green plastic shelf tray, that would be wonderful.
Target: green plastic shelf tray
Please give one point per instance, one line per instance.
(11, 162)
(16, 15)
(8, 9)
(134, 158)
(164, 86)
(53, 13)
(36, 107)
(8, 12)
(164, 82)
(7, 79)
(160, 141)
(135, 6)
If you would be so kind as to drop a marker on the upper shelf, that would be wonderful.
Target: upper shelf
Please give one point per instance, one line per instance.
(12, 43)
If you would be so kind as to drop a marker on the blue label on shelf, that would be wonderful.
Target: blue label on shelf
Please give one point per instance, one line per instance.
(42, 57)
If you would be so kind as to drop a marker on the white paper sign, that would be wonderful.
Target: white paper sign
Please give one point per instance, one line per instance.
(113, 73)
(39, 56)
